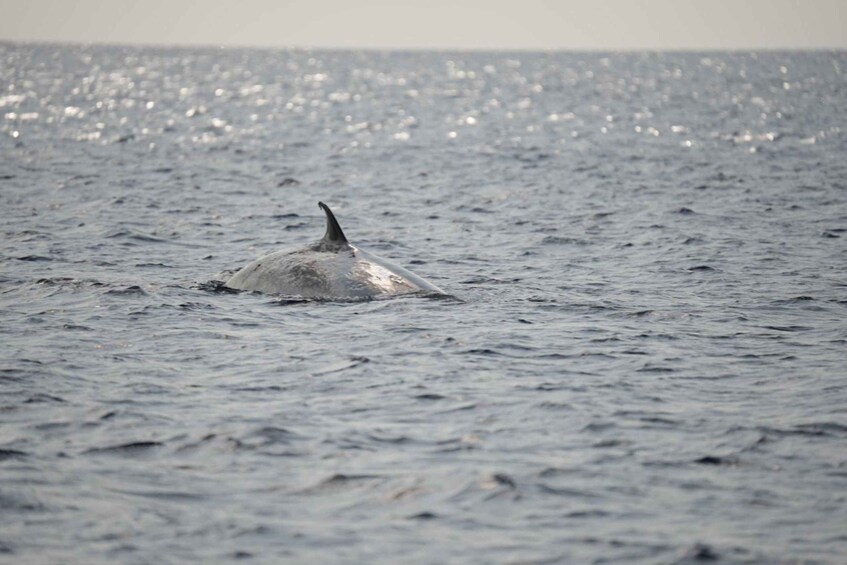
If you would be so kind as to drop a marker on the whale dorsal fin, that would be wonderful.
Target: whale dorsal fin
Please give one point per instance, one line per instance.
(333, 230)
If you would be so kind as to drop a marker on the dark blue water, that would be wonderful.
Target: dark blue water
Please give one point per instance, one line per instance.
(645, 361)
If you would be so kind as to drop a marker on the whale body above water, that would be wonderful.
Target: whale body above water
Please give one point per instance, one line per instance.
(329, 268)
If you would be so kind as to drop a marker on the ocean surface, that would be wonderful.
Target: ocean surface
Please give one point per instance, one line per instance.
(643, 358)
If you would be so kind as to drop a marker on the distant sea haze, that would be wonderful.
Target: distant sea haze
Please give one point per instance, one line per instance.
(642, 361)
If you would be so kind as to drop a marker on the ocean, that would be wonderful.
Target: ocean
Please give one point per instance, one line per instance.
(641, 358)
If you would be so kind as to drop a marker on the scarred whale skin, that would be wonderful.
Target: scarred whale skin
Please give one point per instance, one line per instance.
(329, 268)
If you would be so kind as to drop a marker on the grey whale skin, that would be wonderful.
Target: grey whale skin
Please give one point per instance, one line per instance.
(329, 268)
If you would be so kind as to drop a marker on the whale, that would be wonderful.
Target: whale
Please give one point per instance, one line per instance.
(331, 268)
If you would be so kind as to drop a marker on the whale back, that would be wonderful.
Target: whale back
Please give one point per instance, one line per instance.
(329, 268)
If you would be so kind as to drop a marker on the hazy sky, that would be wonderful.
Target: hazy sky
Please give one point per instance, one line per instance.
(500, 24)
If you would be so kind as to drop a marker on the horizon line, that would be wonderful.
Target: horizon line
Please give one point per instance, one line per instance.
(422, 49)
